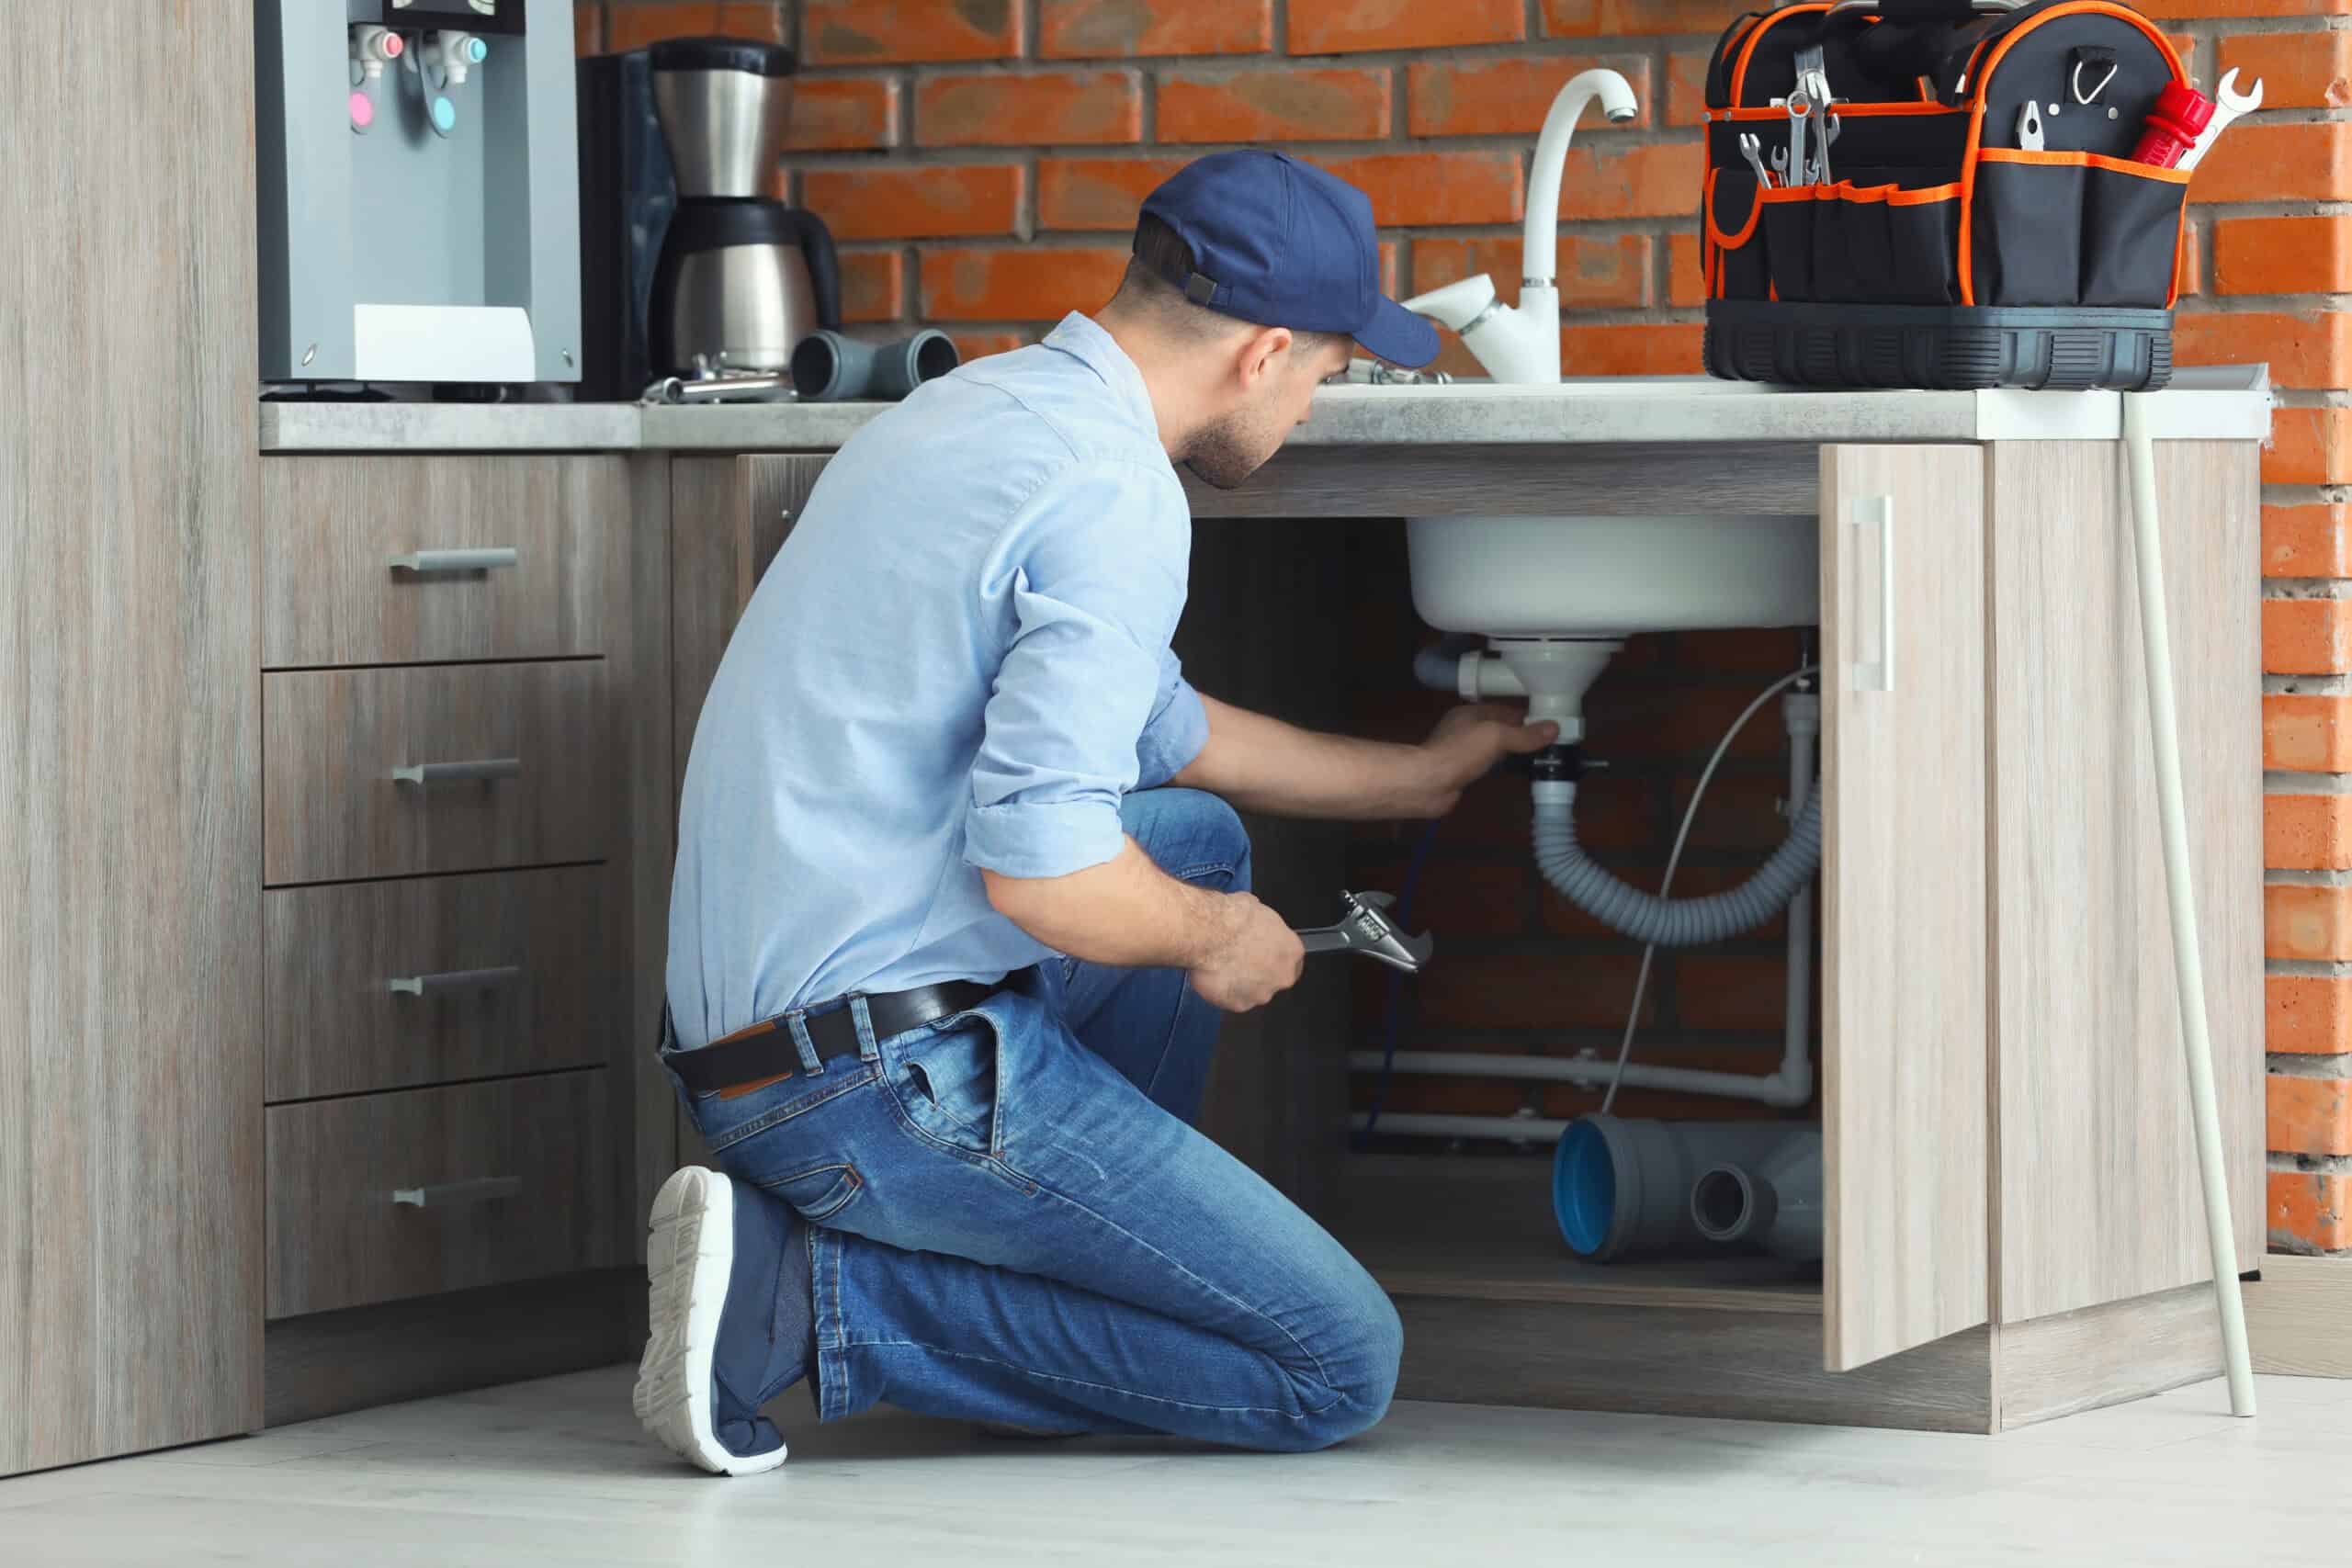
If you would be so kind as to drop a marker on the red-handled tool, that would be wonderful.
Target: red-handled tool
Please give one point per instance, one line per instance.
(2180, 116)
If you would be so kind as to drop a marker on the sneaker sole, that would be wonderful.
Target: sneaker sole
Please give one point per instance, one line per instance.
(689, 1256)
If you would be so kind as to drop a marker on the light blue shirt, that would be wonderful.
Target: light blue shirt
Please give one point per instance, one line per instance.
(958, 661)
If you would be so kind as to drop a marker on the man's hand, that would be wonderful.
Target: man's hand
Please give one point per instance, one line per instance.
(1465, 745)
(1257, 958)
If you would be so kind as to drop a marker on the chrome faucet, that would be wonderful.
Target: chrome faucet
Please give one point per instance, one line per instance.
(1523, 343)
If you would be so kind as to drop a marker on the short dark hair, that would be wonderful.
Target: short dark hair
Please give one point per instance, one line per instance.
(1160, 258)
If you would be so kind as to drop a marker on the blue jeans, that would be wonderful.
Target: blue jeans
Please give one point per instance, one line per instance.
(1016, 1221)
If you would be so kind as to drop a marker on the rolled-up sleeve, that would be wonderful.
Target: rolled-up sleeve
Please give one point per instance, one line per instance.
(1178, 728)
(1097, 562)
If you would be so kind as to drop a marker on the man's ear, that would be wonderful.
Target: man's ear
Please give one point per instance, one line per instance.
(1260, 353)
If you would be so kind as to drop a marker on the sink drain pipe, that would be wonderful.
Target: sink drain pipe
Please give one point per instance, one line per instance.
(1773, 1203)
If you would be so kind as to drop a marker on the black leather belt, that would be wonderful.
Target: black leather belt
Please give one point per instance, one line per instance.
(765, 1053)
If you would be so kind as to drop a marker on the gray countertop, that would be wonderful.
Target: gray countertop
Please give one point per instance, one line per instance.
(2210, 406)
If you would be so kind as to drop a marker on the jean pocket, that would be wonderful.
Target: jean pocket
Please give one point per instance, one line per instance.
(947, 1081)
(819, 1194)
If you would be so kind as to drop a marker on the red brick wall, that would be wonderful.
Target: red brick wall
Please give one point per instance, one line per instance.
(981, 160)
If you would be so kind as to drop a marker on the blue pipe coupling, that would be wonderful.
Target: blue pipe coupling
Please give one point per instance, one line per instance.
(829, 367)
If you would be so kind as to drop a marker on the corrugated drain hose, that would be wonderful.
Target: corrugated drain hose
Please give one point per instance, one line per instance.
(1669, 922)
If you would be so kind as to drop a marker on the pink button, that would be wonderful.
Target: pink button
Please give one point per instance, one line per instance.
(363, 111)
(393, 44)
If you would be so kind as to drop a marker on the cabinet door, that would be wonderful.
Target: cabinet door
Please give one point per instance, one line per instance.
(728, 517)
(1903, 1042)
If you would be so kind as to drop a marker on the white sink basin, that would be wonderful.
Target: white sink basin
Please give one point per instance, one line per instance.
(1608, 577)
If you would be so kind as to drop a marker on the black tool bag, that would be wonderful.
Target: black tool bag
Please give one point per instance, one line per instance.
(1940, 251)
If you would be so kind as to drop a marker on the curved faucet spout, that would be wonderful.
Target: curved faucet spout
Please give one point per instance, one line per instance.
(1540, 259)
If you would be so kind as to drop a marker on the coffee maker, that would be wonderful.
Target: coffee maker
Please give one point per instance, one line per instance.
(689, 270)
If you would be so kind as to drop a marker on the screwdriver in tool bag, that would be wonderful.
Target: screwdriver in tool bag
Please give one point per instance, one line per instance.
(2172, 127)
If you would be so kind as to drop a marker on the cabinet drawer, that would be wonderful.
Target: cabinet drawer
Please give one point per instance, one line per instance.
(515, 760)
(389, 984)
(331, 595)
(494, 1182)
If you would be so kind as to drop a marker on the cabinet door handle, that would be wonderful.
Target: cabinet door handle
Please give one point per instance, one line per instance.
(1879, 675)
(429, 773)
(427, 563)
(454, 980)
(453, 1194)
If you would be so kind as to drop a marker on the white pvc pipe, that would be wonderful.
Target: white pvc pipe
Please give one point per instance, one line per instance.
(2188, 968)
(1768, 1089)
(1514, 1129)
(1802, 721)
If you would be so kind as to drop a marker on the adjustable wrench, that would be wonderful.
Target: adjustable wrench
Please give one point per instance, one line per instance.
(1366, 928)
(2228, 104)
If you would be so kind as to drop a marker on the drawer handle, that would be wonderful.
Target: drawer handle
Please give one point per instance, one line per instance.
(453, 1194)
(1879, 675)
(454, 980)
(427, 563)
(429, 773)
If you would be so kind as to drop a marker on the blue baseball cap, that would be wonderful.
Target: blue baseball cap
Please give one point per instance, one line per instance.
(1284, 244)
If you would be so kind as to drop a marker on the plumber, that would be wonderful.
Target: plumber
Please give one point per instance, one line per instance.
(959, 893)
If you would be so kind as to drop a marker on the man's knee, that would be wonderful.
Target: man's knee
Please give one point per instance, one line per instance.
(1192, 835)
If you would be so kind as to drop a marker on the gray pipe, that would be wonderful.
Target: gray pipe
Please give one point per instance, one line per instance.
(1774, 1202)
(1439, 666)
(1669, 922)
(829, 367)
(1621, 1187)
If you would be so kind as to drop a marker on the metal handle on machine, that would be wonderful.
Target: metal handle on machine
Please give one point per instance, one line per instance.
(452, 1194)
(429, 773)
(1879, 675)
(454, 980)
(427, 563)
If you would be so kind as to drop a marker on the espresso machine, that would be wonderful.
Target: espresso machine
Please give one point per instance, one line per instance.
(690, 271)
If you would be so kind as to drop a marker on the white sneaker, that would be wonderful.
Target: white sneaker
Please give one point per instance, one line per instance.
(689, 1257)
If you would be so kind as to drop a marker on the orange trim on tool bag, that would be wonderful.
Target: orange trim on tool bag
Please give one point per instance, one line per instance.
(1860, 112)
(2087, 160)
(1977, 148)
(1747, 230)
(1765, 25)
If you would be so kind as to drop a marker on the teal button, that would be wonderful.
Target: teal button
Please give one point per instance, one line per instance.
(444, 116)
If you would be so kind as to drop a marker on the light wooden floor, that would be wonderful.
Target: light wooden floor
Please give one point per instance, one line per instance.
(555, 1473)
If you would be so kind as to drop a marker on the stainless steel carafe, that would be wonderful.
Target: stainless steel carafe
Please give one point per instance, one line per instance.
(741, 278)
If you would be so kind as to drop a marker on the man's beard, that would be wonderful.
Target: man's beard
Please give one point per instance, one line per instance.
(1222, 456)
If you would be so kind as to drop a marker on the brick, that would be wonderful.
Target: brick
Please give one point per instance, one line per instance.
(1528, 991)
(2303, 348)
(2304, 541)
(634, 26)
(874, 285)
(1461, 898)
(1042, 283)
(1079, 29)
(2306, 636)
(2310, 1116)
(844, 114)
(2190, 268)
(2309, 923)
(1435, 188)
(2310, 1210)
(1048, 107)
(2307, 1014)
(2307, 832)
(1506, 97)
(1098, 193)
(1730, 992)
(1336, 27)
(1596, 271)
(1686, 87)
(879, 32)
(2166, 10)
(1685, 287)
(2308, 446)
(2307, 733)
(980, 346)
(588, 28)
(2283, 255)
(905, 201)
(1292, 103)
(1648, 349)
(2298, 71)
(1632, 182)
(1742, 813)
(2258, 162)
(1597, 18)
